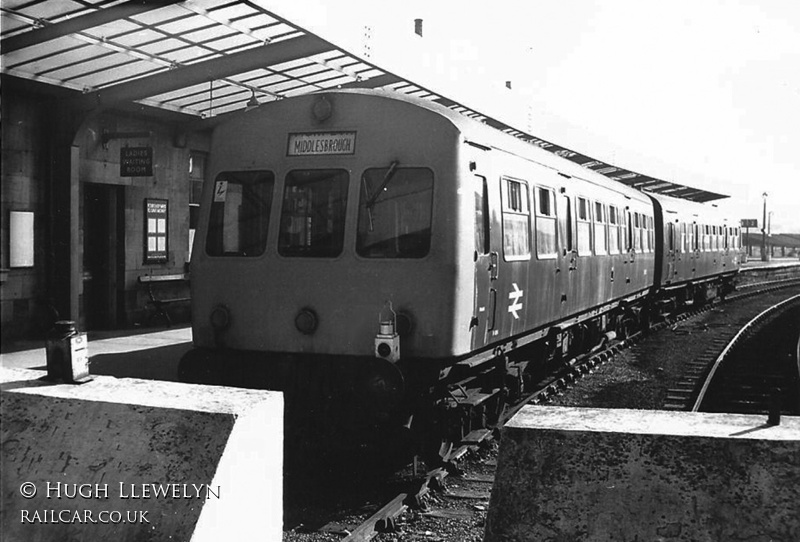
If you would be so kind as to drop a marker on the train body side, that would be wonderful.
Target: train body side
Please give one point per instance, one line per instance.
(591, 245)
(520, 240)
(700, 247)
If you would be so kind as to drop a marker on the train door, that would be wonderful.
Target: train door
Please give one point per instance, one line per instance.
(695, 247)
(630, 246)
(569, 283)
(103, 254)
(669, 252)
(580, 272)
(484, 322)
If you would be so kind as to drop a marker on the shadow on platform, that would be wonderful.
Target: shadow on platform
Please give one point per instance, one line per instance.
(158, 363)
(148, 353)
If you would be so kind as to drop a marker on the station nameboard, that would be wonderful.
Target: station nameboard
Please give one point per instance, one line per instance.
(136, 162)
(321, 143)
(749, 222)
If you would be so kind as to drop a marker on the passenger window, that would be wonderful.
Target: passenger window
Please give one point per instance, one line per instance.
(637, 236)
(584, 227)
(614, 231)
(394, 213)
(240, 210)
(313, 213)
(683, 245)
(516, 220)
(600, 245)
(545, 223)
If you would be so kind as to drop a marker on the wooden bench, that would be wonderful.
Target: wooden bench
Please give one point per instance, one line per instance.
(160, 305)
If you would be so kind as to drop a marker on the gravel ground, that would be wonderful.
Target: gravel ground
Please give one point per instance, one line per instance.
(637, 378)
(640, 376)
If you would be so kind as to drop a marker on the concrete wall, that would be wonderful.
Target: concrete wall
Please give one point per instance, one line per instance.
(571, 474)
(109, 449)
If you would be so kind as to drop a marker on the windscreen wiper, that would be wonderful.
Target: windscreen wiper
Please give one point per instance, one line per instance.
(386, 178)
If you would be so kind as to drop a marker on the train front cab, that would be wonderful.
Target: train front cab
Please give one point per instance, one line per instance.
(301, 251)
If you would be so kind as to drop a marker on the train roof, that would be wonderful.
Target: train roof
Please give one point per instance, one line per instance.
(462, 118)
(482, 134)
(691, 211)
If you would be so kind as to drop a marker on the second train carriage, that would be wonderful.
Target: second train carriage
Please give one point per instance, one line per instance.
(366, 243)
(699, 253)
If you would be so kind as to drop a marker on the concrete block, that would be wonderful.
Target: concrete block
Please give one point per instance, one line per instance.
(574, 474)
(129, 459)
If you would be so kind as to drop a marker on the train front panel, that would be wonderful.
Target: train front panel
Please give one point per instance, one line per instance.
(323, 217)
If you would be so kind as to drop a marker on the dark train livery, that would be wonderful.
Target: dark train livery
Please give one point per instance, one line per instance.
(378, 248)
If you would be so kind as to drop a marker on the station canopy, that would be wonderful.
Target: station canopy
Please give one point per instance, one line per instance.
(206, 58)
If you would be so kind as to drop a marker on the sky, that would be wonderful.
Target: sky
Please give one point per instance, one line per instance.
(702, 93)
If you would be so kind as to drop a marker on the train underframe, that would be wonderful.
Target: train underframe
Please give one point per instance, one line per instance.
(434, 403)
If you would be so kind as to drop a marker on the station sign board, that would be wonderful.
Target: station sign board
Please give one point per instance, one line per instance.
(749, 222)
(136, 161)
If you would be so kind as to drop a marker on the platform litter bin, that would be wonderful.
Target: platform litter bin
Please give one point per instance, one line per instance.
(67, 353)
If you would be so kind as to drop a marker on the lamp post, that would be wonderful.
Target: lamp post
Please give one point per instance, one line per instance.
(764, 255)
(769, 234)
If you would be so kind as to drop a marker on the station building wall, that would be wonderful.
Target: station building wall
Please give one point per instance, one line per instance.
(112, 231)
(177, 173)
(24, 166)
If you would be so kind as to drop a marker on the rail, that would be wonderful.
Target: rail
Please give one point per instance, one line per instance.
(741, 335)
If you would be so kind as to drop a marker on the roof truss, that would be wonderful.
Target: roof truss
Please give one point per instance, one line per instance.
(205, 58)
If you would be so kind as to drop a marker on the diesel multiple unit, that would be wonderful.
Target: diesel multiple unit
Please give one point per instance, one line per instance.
(373, 248)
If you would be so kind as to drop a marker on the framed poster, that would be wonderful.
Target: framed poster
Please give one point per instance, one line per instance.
(156, 225)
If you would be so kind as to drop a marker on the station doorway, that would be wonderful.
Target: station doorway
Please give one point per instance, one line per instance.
(103, 255)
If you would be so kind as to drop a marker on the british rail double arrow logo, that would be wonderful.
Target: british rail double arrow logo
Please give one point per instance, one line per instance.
(515, 303)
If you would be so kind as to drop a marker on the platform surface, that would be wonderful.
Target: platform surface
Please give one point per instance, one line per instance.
(149, 353)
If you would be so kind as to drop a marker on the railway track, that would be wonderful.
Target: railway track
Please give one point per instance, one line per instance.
(419, 494)
(720, 340)
(758, 372)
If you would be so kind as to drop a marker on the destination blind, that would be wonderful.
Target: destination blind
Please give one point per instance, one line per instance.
(321, 143)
